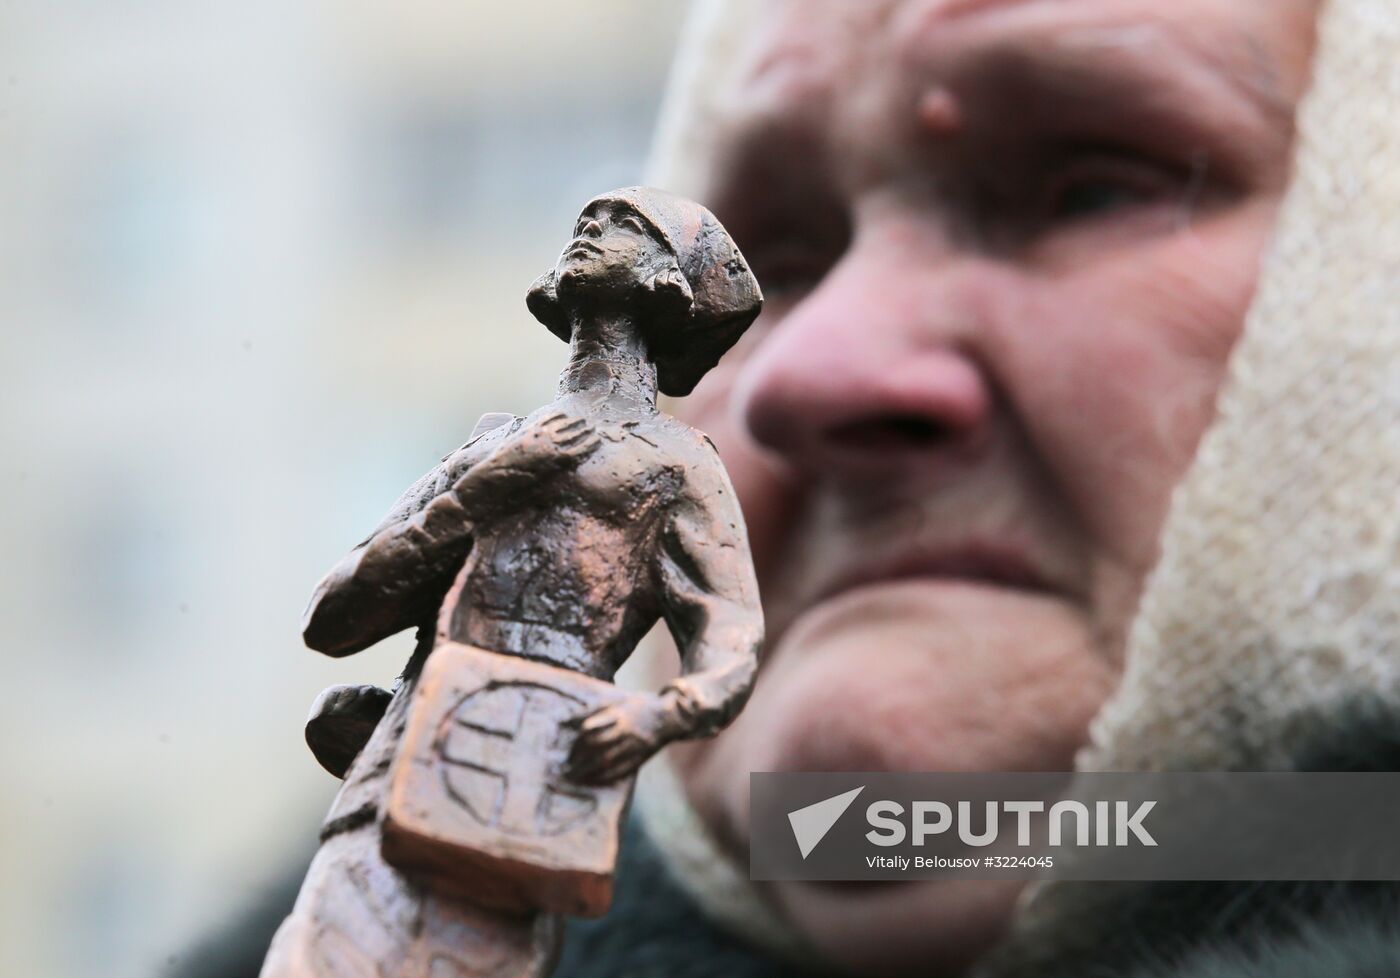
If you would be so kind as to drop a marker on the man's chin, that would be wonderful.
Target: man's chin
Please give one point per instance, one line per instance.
(913, 675)
(925, 675)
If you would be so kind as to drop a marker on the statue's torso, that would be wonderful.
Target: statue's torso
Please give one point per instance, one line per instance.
(565, 573)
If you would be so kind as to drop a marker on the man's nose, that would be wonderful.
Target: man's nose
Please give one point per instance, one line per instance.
(876, 367)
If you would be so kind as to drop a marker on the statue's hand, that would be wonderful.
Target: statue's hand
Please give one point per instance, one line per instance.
(341, 721)
(613, 742)
(556, 442)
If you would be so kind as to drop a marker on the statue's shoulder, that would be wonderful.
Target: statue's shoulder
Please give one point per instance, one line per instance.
(490, 428)
(676, 437)
(694, 456)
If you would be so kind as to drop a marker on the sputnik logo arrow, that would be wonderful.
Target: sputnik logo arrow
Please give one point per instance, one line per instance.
(811, 824)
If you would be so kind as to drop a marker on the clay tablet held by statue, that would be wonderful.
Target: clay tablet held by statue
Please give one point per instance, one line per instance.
(533, 559)
(479, 802)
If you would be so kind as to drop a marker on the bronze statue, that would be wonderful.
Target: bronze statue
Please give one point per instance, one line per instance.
(483, 796)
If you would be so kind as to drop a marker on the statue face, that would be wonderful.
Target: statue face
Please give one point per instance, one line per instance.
(612, 256)
(1006, 248)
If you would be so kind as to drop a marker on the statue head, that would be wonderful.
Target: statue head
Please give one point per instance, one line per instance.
(669, 265)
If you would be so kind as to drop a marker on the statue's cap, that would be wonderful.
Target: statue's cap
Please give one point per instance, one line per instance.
(727, 296)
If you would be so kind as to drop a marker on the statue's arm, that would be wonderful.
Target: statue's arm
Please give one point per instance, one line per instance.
(704, 581)
(711, 602)
(397, 577)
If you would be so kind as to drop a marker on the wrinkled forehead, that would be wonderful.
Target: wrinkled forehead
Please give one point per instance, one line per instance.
(812, 37)
(766, 66)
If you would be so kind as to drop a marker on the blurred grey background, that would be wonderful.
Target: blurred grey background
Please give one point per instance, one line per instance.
(264, 263)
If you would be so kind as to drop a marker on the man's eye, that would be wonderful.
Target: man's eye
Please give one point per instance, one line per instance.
(1090, 197)
(633, 224)
(1091, 189)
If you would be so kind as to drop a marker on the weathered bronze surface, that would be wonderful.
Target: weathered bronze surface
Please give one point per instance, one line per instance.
(489, 795)
(478, 799)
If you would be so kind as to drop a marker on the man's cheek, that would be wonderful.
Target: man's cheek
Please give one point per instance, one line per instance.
(1199, 284)
(1118, 381)
(1174, 316)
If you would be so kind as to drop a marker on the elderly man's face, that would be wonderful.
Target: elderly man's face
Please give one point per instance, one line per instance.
(1007, 247)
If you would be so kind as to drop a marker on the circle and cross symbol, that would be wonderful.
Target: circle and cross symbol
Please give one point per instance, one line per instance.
(501, 748)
